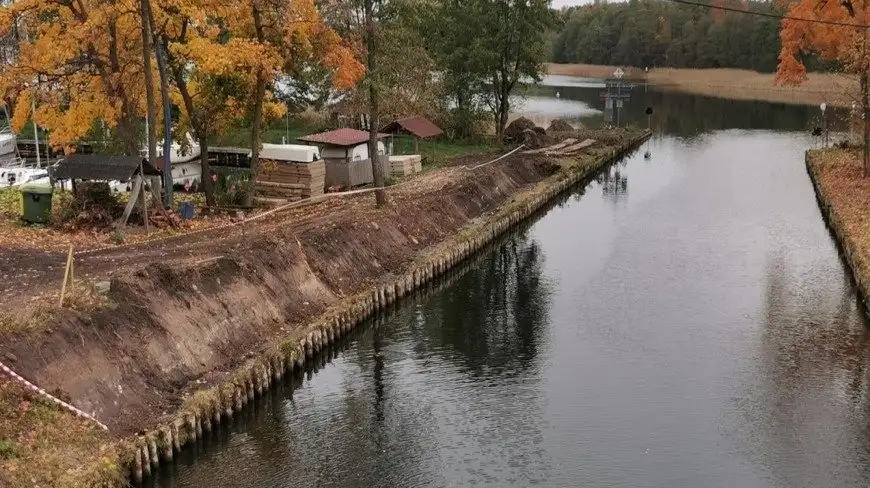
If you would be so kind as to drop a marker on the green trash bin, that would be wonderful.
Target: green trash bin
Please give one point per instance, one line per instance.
(36, 202)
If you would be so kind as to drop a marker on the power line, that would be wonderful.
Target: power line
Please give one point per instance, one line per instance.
(767, 14)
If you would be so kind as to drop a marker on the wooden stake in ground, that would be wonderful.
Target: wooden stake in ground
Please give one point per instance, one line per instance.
(66, 274)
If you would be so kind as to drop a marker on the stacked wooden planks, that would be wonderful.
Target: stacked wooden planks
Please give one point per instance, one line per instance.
(405, 165)
(281, 181)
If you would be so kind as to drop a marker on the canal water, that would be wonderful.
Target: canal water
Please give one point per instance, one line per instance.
(684, 320)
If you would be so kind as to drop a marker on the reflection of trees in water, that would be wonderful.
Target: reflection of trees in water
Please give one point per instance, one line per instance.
(686, 115)
(495, 314)
(809, 404)
(490, 317)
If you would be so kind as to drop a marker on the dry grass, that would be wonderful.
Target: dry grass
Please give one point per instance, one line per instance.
(729, 83)
(40, 445)
(16, 234)
(848, 192)
(41, 309)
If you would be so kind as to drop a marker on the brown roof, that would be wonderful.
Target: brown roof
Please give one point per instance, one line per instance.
(418, 126)
(340, 137)
(101, 167)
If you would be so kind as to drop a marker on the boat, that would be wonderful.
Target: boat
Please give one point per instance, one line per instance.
(177, 155)
(8, 143)
(13, 172)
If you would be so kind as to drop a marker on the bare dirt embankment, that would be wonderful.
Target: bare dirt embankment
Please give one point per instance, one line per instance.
(734, 84)
(182, 314)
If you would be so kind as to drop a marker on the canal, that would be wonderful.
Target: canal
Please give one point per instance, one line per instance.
(682, 321)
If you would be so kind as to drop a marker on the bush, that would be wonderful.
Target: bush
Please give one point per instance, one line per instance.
(8, 450)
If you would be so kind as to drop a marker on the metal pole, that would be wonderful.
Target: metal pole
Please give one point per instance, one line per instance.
(35, 132)
(167, 123)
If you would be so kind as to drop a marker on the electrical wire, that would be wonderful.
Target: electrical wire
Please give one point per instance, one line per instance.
(767, 14)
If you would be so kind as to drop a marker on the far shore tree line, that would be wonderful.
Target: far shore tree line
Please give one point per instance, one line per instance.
(659, 33)
(89, 67)
(811, 35)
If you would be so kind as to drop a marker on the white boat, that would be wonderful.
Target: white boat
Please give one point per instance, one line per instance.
(187, 175)
(176, 154)
(13, 172)
(8, 143)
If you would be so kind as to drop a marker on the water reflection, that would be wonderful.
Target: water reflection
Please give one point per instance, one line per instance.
(675, 113)
(502, 330)
(614, 184)
(415, 382)
(697, 330)
(809, 406)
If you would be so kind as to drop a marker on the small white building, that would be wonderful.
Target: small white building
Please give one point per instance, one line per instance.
(346, 154)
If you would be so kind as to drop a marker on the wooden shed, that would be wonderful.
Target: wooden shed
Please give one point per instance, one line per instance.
(345, 154)
(417, 127)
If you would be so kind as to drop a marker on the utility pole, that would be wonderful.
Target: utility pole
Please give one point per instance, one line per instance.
(167, 124)
(167, 107)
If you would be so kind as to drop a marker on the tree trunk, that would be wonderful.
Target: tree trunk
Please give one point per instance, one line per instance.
(149, 81)
(371, 68)
(201, 130)
(127, 131)
(256, 125)
(865, 112)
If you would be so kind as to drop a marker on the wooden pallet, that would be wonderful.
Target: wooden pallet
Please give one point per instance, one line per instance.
(554, 147)
(572, 148)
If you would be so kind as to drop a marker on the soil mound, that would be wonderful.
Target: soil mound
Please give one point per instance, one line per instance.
(513, 132)
(559, 125)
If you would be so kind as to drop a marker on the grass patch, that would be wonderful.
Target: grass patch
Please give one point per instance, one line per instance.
(41, 445)
(8, 449)
(40, 311)
(436, 152)
(241, 137)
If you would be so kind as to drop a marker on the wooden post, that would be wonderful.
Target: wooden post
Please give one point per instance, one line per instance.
(66, 274)
(141, 197)
(416, 145)
(137, 187)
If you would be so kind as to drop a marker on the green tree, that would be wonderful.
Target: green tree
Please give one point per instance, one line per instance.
(659, 33)
(487, 48)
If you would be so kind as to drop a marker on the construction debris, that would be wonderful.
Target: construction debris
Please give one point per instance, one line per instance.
(405, 165)
(282, 182)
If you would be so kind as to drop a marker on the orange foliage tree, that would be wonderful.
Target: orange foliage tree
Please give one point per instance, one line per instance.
(225, 57)
(83, 62)
(841, 35)
(80, 62)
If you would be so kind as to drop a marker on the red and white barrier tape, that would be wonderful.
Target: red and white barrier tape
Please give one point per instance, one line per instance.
(63, 404)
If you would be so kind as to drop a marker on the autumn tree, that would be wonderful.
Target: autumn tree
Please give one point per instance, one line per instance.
(842, 37)
(296, 35)
(226, 56)
(403, 57)
(80, 62)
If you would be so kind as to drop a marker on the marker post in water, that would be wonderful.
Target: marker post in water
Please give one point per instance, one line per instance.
(824, 106)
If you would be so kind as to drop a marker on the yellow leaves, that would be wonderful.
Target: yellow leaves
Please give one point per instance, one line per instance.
(790, 70)
(229, 59)
(273, 110)
(348, 70)
(22, 110)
